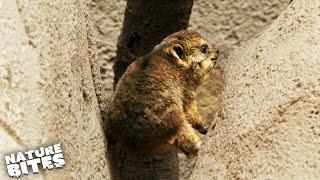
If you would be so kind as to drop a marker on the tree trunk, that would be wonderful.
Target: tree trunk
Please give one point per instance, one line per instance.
(268, 124)
(145, 24)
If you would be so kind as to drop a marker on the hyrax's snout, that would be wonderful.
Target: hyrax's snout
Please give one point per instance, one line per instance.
(214, 56)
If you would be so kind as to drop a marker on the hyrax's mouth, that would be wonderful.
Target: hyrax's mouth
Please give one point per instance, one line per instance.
(214, 58)
(214, 61)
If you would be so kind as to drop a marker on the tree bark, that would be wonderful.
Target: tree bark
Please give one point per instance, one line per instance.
(145, 24)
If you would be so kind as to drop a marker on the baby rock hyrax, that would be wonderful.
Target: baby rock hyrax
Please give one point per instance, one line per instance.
(154, 103)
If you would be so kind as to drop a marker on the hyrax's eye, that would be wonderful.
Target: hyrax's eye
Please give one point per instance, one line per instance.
(204, 48)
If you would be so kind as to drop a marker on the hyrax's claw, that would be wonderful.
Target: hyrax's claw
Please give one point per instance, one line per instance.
(198, 145)
(190, 156)
(204, 130)
(201, 128)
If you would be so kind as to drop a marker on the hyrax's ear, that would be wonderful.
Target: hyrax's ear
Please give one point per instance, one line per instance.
(177, 52)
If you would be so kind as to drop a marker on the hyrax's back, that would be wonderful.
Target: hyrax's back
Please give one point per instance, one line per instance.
(145, 112)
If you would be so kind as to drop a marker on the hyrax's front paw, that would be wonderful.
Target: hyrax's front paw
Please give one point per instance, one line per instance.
(191, 150)
(188, 141)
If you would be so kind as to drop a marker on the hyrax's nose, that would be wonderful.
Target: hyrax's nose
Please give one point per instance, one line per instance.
(217, 51)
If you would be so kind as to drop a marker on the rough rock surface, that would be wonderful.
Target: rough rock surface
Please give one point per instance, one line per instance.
(46, 88)
(107, 17)
(227, 24)
(268, 126)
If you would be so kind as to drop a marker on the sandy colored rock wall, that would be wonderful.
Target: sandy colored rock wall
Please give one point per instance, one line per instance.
(46, 88)
(227, 24)
(269, 122)
(107, 17)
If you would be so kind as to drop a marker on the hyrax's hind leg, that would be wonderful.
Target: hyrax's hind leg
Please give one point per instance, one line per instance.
(187, 140)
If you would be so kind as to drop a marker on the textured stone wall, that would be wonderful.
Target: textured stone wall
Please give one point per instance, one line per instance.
(227, 24)
(107, 17)
(46, 87)
(268, 126)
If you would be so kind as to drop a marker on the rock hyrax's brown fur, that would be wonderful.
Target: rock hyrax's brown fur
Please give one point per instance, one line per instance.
(154, 104)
